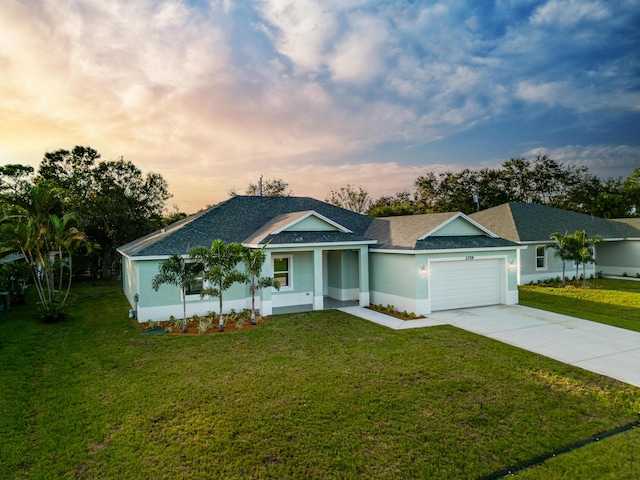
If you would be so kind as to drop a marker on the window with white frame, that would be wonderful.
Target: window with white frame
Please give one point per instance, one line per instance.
(197, 286)
(541, 257)
(282, 272)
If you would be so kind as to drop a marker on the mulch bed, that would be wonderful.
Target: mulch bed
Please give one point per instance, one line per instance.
(192, 328)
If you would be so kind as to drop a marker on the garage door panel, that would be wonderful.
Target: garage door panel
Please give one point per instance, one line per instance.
(463, 284)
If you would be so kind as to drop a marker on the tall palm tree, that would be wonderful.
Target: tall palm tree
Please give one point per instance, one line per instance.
(254, 260)
(562, 249)
(220, 269)
(176, 270)
(585, 251)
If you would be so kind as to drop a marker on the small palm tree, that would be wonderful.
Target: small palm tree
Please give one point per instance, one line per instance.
(46, 241)
(176, 270)
(220, 269)
(562, 249)
(254, 260)
(585, 251)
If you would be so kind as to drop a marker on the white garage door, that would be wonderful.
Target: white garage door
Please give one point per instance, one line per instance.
(466, 283)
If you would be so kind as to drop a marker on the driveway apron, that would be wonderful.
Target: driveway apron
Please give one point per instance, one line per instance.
(603, 349)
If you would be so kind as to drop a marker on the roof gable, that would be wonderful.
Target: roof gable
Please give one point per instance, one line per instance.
(458, 225)
(413, 231)
(306, 221)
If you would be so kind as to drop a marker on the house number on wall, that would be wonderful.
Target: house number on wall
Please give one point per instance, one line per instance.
(469, 257)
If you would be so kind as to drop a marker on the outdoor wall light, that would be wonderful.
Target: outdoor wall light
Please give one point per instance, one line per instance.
(423, 271)
(512, 265)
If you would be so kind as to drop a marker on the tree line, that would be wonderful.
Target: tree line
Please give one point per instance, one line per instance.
(540, 180)
(111, 202)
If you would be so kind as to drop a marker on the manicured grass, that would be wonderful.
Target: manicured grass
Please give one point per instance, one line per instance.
(313, 395)
(614, 302)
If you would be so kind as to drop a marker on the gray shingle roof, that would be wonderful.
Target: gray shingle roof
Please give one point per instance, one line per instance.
(238, 219)
(628, 227)
(524, 222)
(404, 231)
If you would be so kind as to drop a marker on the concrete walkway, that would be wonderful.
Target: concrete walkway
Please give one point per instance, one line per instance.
(610, 351)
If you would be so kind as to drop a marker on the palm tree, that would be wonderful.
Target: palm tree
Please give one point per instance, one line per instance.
(562, 249)
(585, 251)
(46, 241)
(220, 269)
(176, 270)
(253, 261)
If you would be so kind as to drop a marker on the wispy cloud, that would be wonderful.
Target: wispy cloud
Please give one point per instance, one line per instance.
(206, 92)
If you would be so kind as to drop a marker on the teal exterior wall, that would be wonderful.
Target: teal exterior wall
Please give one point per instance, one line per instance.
(402, 280)
(311, 224)
(457, 227)
(393, 274)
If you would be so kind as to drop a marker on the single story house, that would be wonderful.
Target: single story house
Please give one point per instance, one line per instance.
(531, 226)
(323, 255)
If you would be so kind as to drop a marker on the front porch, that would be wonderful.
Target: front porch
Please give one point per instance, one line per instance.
(328, 304)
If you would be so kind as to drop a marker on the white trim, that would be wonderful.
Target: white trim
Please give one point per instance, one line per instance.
(288, 299)
(343, 294)
(309, 245)
(417, 306)
(307, 215)
(463, 216)
(446, 250)
(162, 313)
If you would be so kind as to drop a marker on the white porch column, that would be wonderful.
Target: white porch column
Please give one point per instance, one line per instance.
(266, 306)
(318, 299)
(363, 265)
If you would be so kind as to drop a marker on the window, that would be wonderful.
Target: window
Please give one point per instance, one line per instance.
(196, 287)
(282, 272)
(541, 257)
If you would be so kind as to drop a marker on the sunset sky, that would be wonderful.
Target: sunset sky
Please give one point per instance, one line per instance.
(212, 94)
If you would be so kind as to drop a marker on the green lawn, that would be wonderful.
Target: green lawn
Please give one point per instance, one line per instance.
(614, 302)
(313, 395)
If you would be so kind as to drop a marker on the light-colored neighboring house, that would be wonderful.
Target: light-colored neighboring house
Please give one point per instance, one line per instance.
(322, 255)
(621, 257)
(531, 226)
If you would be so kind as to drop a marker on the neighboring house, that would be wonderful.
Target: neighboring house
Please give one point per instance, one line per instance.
(323, 255)
(531, 226)
(621, 257)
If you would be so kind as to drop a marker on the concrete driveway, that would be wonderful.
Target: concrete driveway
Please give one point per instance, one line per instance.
(610, 351)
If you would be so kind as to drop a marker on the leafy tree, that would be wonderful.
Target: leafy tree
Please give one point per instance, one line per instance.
(114, 202)
(15, 183)
(47, 242)
(176, 270)
(400, 204)
(609, 205)
(348, 197)
(631, 191)
(269, 188)
(220, 269)
(254, 260)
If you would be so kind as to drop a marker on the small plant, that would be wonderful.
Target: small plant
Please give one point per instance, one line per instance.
(177, 323)
(599, 273)
(204, 324)
(624, 274)
(152, 325)
(195, 317)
